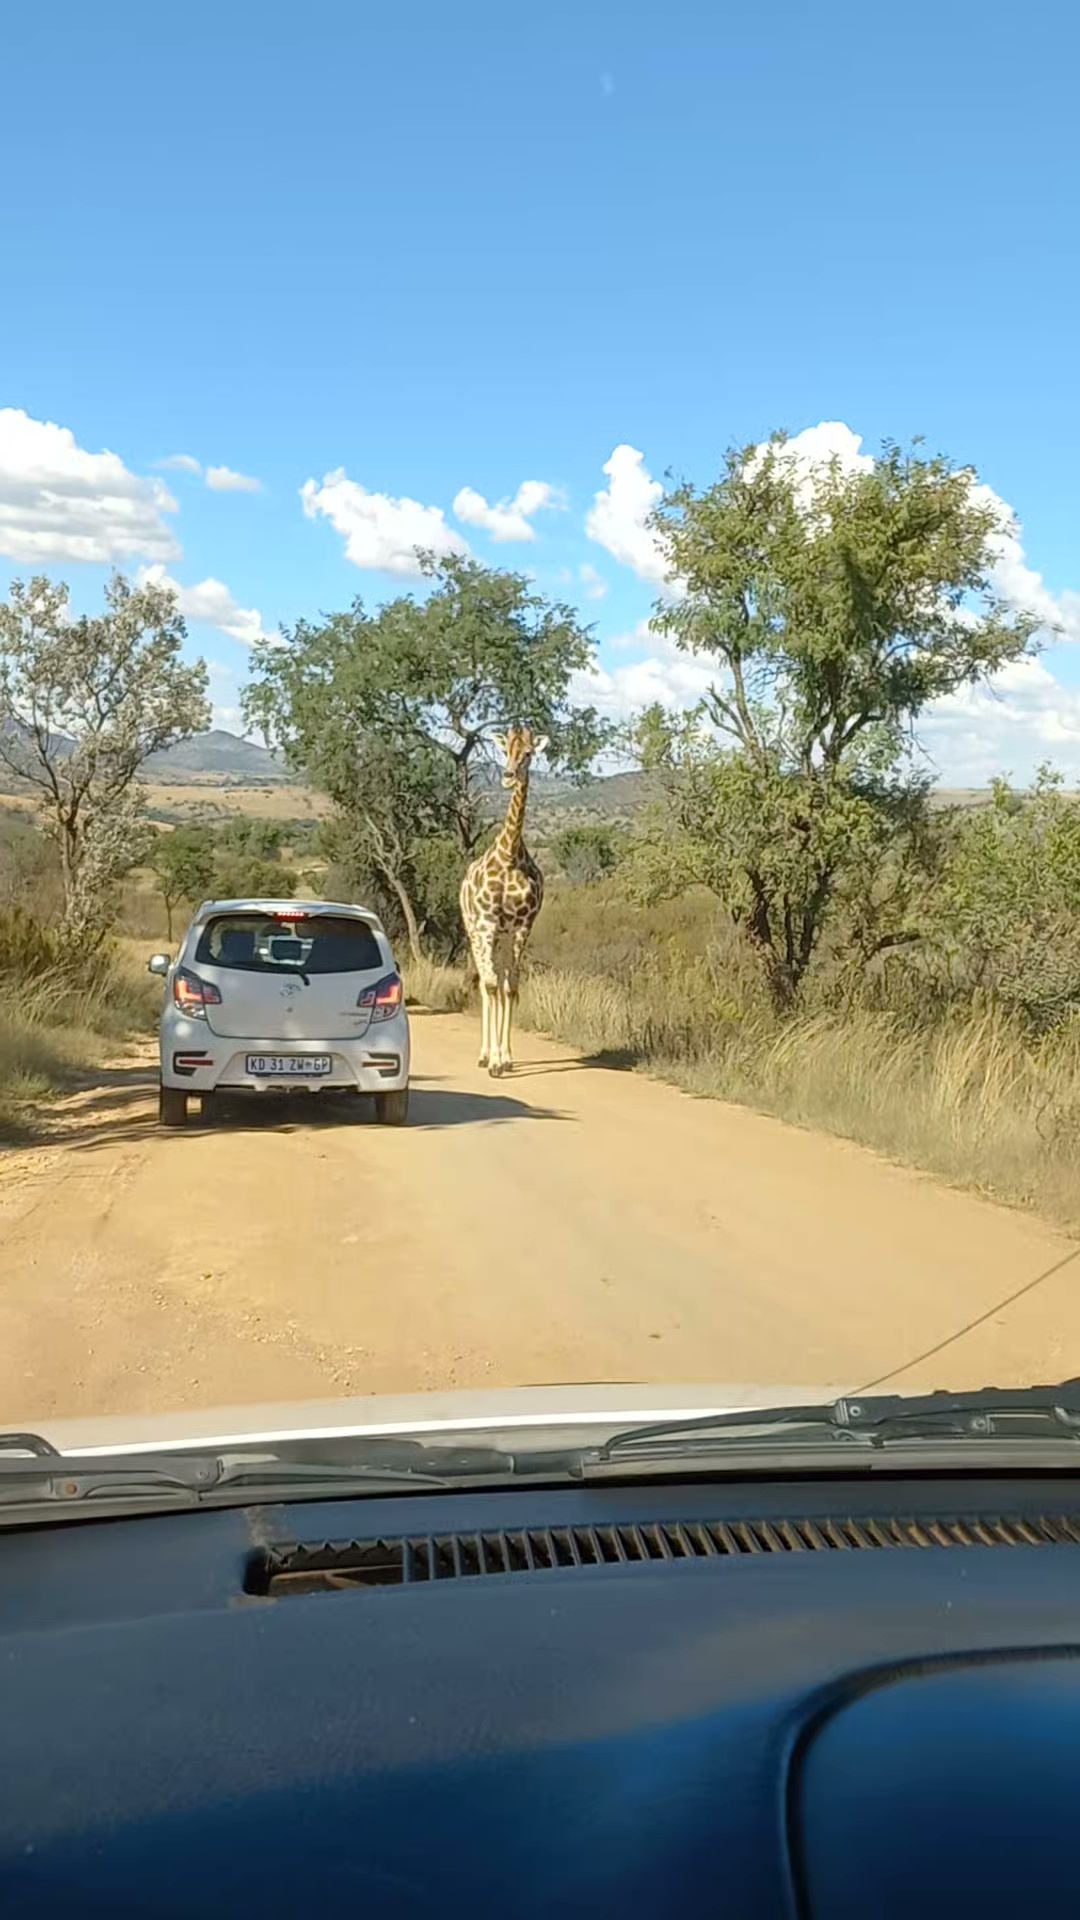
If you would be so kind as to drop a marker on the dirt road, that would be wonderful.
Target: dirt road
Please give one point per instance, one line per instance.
(569, 1224)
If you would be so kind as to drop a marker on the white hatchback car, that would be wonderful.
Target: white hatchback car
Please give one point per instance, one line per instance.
(271, 994)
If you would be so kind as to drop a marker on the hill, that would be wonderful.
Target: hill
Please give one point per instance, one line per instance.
(217, 754)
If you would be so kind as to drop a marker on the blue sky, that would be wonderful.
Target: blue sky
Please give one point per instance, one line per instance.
(440, 248)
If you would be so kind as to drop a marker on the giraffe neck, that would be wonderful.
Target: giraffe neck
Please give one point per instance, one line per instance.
(508, 844)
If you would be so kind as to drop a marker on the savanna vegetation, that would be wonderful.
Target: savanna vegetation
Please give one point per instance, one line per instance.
(790, 919)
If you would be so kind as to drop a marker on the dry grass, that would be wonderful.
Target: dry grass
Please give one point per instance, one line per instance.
(51, 1029)
(209, 799)
(443, 989)
(970, 1097)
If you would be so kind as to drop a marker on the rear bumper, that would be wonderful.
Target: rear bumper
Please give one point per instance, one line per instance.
(200, 1062)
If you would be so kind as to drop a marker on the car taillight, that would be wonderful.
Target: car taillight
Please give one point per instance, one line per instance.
(385, 998)
(193, 995)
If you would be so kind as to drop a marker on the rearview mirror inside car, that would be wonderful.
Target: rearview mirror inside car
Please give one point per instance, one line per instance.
(158, 963)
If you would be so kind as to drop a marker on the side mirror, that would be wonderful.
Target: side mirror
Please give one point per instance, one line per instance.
(158, 963)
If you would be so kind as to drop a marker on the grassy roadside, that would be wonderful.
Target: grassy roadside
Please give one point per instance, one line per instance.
(969, 1099)
(52, 1028)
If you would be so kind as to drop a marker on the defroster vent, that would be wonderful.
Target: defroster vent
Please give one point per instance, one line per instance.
(417, 1559)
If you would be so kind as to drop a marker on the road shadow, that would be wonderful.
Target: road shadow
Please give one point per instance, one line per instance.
(118, 1117)
(107, 1104)
(429, 1109)
(142, 1074)
(531, 1069)
(617, 1059)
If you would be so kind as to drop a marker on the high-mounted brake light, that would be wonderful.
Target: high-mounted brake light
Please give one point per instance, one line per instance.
(289, 913)
(385, 998)
(193, 995)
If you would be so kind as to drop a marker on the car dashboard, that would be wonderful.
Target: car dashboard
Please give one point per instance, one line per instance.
(833, 1696)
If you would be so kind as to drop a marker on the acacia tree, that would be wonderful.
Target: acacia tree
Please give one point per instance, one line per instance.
(835, 604)
(83, 701)
(183, 864)
(395, 799)
(392, 713)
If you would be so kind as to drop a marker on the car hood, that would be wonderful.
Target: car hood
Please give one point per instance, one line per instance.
(540, 1412)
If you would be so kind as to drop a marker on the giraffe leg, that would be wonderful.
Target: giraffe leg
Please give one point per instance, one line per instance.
(502, 1050)
(499, 1006)
(519, 942)
(484, 956)
(485, 1025)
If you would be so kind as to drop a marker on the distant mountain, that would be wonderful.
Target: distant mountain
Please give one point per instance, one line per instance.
(215, 754)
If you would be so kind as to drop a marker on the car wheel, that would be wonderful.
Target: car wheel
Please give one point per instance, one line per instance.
(209, 1109)
(392, 1109)
(172, 1107)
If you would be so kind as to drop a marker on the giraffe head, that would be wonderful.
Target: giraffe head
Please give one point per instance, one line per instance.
(518, 747)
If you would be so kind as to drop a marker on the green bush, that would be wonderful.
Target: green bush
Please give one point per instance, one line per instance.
(588, 852)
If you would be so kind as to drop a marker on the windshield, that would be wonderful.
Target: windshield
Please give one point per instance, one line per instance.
(539, 720)
(271, 943)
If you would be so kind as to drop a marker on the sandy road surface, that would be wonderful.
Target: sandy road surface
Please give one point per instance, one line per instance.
(570, 1224)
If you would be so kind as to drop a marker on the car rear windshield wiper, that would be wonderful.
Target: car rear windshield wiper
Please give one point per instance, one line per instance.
(1044, 1413)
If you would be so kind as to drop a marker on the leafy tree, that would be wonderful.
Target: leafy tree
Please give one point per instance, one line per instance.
(392, 714)
(1008, 913)
(241, 876)
(835, 605)
(250, 837)
(433, 678)
(184, 864)
(587, 852)
(396, 800)
(83, 701)
(115, 837)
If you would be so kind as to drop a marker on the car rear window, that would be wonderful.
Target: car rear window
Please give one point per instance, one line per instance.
(267, 943)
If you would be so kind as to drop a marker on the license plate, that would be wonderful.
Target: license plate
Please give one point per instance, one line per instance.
(302, 1066)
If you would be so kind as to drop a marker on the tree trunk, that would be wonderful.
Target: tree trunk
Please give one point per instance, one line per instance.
(408, 913)
(68, 863)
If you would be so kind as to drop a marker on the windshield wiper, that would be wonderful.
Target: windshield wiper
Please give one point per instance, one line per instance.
(33, 1472)
(986, 1413)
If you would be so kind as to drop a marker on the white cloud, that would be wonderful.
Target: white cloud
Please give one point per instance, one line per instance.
(594, 583)
(663, 673)
(1019, 583)
(226, 480)
(210, 604)
(1023, 716)
(181, 462)
(617, 518)
(59, 502)
(806, 453)
(507, 519)
(379, 532)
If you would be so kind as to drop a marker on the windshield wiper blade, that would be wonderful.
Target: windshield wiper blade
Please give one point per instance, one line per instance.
(33, 1471)
(1040, 1412)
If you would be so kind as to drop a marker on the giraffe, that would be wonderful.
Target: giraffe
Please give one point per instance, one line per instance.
(501, 896)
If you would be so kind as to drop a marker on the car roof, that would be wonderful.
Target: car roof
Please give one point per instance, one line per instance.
(262, 904)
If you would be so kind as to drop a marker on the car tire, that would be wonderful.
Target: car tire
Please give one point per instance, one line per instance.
(209, 1109)
(392, 1109)
(172, 1107)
